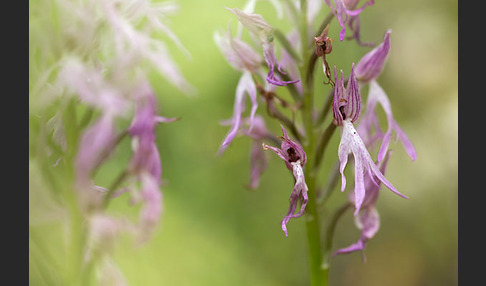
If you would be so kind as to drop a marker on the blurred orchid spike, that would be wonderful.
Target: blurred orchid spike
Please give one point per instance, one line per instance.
(346, 109)
(295, 158)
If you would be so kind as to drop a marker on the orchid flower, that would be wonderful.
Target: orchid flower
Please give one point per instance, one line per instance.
(295, 158)
(346, 109)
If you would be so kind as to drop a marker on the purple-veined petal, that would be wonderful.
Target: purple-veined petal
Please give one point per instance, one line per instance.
(371, 64)
(346, 101)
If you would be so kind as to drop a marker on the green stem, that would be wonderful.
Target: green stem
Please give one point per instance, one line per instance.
(318, 274)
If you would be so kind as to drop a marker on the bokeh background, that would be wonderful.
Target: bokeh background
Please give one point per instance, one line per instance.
(214, 231)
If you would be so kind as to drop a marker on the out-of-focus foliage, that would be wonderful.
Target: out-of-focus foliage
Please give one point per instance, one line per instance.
(214, 231)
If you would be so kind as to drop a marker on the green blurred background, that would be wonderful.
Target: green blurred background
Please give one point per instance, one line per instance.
(214, 231)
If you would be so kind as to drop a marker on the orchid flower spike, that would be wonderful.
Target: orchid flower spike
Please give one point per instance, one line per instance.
(295, 158)
(367, 220)
(346, 109)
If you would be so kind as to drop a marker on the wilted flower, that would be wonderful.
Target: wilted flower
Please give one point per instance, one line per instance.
(323, 46)
(367, 219)
(295, 158)
(346, 109)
